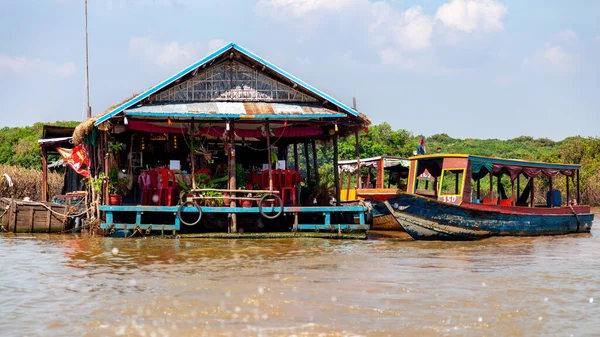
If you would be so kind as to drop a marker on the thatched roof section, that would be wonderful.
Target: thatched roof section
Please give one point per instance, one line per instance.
(86, 126)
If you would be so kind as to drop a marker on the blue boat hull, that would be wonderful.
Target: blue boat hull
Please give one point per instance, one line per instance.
(429, 219)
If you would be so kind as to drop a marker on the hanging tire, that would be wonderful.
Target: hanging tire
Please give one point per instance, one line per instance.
(186, 204)
(277, 200)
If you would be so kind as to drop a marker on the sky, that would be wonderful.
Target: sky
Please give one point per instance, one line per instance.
(467, 68)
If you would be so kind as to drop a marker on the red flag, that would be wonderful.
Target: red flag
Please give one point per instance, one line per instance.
(77, 158)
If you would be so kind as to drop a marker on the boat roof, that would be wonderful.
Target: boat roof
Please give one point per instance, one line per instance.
(499, 161)
(371, 159)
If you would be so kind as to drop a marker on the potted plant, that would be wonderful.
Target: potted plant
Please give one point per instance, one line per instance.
(248, 203)
(185, 193)
(117, 187)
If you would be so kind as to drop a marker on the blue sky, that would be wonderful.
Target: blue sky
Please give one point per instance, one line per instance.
(468, 68)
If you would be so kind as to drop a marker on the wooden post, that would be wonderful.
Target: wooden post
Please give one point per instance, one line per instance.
(380, 173)
(49, 218)
(105, 190)
(357, 152)
(518, 185)
(336, 173)
(568, 200)
(315, 164)
(232, 174)
(513, 192)
(349, 182)
(31, 222)
(269, 154)
(14, 216)
(307, 163)
(550, 197)
(491, 187)
(578, 190)
(499, 187)
(456, 183)
(296, 164)
(44, 174)
(193, 154)
(341, 179)
(532, 192)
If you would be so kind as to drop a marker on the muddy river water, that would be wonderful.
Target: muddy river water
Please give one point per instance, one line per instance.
(64, 285)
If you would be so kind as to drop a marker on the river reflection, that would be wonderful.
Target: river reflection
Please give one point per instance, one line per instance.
(79, 285)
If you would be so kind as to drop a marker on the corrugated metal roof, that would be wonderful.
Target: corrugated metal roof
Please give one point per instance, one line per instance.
(235, 110)
(209, 58)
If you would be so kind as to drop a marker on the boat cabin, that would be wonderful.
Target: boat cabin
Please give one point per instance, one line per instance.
(375, 178)
(462, 178)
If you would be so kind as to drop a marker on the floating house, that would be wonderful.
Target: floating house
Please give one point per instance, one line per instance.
(217, 145)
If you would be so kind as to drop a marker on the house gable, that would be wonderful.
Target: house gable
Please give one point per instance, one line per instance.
(231, 81)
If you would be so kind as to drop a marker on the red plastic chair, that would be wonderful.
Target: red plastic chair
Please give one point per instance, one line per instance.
(149, 191)
(288, 186)
(506, 202)
(489, 201)
(167, 187)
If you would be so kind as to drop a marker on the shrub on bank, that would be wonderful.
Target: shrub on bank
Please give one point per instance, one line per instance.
(27, 183)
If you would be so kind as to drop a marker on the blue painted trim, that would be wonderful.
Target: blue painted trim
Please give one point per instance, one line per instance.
(173, 209)
(209, 58)
(164, 83)
(230, 116)
(333, 227)
(295, 79)
(155, 227)
(523, 163)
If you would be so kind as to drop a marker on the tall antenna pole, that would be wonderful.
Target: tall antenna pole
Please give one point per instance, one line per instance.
(87, 71)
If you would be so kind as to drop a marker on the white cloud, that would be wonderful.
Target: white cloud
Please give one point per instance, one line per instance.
(299, 8)
(24, 65)
(566, 35)
(402, 38)
(552, 59)
(471, 15)
(163, 53)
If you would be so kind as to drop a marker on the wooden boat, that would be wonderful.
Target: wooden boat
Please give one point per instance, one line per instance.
(18, 216)
(443, 200)
(370, 185)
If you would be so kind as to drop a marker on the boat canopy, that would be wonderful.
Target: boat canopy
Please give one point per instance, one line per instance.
(388, 162)
(482, 166)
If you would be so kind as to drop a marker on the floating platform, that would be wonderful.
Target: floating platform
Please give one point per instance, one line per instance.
(338, 219)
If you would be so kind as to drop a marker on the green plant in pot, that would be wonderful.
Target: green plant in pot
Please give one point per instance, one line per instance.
(117, 187)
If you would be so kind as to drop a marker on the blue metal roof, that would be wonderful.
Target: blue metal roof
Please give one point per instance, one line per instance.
(211, 57)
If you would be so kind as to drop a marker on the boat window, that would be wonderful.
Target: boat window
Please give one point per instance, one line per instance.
(452, 182)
